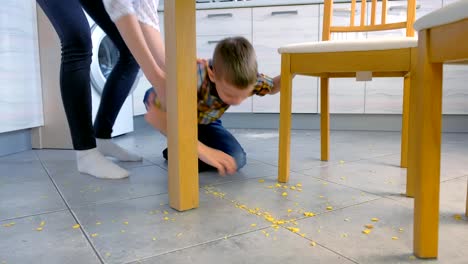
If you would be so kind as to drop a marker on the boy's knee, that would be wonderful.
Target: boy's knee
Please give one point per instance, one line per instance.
(241, 158)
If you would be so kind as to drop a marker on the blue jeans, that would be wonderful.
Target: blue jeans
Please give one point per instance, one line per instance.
(71, 25)
(214, 135)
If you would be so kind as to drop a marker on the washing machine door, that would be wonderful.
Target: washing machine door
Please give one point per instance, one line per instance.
(105, 56)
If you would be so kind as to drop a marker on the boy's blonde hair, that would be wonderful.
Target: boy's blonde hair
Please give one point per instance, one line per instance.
(235, 61)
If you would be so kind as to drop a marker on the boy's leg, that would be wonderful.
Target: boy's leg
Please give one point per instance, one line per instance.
(214, 135)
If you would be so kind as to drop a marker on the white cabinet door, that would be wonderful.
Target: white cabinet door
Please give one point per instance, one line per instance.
(385, 95)
(143, 83)
(274, 27)
(455, 89)
(224, 22)
(346, 94)
(20, 81)
(205, 49)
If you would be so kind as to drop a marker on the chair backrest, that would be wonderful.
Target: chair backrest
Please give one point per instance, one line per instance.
(363, 26)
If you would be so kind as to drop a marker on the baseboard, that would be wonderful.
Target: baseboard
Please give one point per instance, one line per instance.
(16, 141)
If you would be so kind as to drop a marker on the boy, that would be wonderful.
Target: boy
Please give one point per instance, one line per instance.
(228, 79)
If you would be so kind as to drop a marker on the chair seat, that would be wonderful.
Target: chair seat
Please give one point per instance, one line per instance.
(350, 45)
(451, 13)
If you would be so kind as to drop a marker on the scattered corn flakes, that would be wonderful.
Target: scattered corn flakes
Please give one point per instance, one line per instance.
(76, 226)
(394, 238)
(374, 219)
(293, 229)
(313, 243)
(39, 229)
(366, 231)
(284, 194)
(94, 235)
(309, 214)
(261, 180)
(329, 208)
(276, 227)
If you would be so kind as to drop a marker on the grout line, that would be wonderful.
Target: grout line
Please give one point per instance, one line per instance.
(38, 214)
(71, 211)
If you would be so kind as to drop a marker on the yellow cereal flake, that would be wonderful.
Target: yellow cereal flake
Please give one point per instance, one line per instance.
(309, 214)
(299, 189)
(313, 243)
(280, 222)
(342, 162)
(343, 178)
(344, 235)
(284, 194)
(302, 235)
(329, 208)
(321, 196)
(400, 230)
(457, 217)
(39, 229)
(42, 223)
(165, 212)
(261, 180)
(293, 229)
(277, 185)
(108, 254)
(375, 219)
(366, 231)
(253, 225)
(394, 238)
(325, 183)
(166, 218)
(346, 219)
(412, 257)
(292, 187)
(179, 235)
(94, 235)
(298, 185)
(270, 187)
(122, 231)
(9, 224)
(154, 239)
(76, 226)
(369, 226)
(125, 223)
(290, 210)
(98, 223)
(275, 227)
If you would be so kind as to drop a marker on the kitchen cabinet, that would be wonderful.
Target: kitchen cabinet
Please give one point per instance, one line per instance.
(20, 81)
(272, 28)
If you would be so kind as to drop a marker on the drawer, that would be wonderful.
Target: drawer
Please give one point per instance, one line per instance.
(224, 22)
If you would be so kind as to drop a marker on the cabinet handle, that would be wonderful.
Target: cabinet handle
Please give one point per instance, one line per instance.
(344, 10)
(210, 42)
(220, 15)
(292, 12)
(401, 8)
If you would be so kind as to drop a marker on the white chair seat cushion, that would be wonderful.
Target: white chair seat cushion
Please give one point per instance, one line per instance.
(350, 45)
(448, 14)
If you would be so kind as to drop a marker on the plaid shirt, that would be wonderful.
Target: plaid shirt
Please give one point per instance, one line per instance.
(210, 106)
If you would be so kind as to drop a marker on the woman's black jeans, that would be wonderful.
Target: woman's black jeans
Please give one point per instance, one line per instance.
(71, 25)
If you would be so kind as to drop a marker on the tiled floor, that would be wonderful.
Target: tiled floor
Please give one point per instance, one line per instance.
(43, 198)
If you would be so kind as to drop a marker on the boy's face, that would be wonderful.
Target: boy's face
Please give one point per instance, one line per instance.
(229, 93)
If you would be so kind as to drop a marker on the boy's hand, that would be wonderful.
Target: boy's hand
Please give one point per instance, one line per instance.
(218, 159)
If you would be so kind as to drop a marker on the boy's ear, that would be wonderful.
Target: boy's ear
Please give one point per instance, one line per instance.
(211, 75)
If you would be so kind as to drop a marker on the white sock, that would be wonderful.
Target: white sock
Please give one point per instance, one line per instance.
(92, 162)
(109, 148)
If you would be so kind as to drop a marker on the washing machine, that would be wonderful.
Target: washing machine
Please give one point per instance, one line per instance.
(105, 56)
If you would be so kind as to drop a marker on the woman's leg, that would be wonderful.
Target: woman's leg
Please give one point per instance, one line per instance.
(117, 87)
(72, 27)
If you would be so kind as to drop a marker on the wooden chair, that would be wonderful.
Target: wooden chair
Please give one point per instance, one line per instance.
(442, 38)
(337, 59)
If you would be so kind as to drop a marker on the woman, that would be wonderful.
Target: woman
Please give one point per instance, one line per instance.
(67, 17)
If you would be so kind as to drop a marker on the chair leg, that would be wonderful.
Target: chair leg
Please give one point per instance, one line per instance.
(405, 122)
(285, 119)
(324, 119)
(428, 120)
(412, 135)
(466, 211)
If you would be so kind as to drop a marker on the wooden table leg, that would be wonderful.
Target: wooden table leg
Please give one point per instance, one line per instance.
(181, 104)
(285, 119)
(428, 146)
